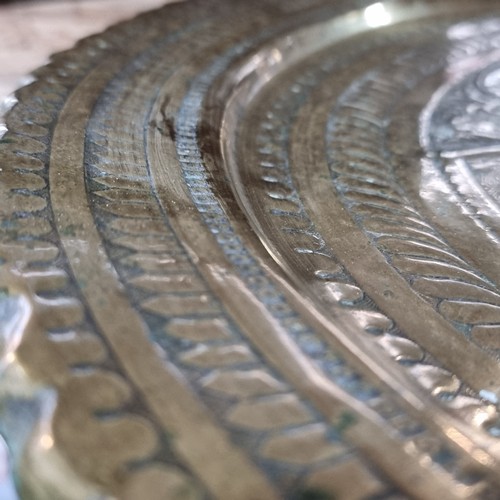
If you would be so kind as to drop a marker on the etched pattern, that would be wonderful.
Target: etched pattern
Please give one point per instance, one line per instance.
(334, 284)
(218, 248)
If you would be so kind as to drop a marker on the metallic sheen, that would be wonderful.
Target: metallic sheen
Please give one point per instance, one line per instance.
(250, 250)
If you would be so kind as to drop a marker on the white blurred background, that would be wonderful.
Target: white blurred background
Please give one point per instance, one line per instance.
(32, 30)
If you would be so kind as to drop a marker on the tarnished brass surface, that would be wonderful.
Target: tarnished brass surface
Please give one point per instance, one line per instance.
(250, 251)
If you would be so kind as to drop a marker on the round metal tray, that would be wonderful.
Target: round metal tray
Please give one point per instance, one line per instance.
(250, 250)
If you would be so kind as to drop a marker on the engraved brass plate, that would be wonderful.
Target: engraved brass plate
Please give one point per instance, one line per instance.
(250, 250)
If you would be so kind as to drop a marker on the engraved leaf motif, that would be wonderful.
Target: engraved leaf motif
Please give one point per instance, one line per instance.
(304, 445)
(270, 413)
(417, 249)
(464, 295)
(468, 297)
(451, 289)
(365, 180)
(433, 268)
(487, 335)
(402, 227)
(470, 312)
(436, 379)
(401, 349)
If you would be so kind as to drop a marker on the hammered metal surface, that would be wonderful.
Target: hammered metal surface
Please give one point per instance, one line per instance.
(249, 250)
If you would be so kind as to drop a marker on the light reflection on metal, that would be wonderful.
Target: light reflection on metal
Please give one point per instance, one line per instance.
(254, 253)
(46, 441)
(377, 15)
